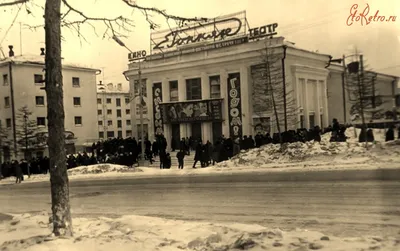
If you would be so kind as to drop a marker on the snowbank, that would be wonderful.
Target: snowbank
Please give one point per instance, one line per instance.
(325, 150)
(100, 168)
(31, 233)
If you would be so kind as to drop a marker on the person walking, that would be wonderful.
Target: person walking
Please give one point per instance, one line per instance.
(180, 156)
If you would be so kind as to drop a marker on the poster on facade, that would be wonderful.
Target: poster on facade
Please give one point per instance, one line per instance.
(234, 106)
(157, 112)
(206, 110)
(261, 99)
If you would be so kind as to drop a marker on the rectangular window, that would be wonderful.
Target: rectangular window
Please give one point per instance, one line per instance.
(128, 133)
(6, 102)
(215, 87)
(119, 113)
(99, 112)
(77, 101)
(119, 123)
(127, 100)
(78, 120)
(39, 100)
(138, 110)
(99, 101)
(5, 79)
(110, 134)
(193, 89)
(311, 119)
(41, 121)
(118, 101)
(128, 122)
(76, 82)
(128, 111)
(38, 79)
(109, 122)
(8, 123)
(108, 101)
(173, 90)
(109, 111)
(119, 134)
(101, 135)
(100, 122)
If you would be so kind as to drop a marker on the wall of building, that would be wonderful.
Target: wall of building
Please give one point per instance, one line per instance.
(26, 91)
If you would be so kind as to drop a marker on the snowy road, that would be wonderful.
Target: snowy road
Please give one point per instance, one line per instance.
(340, 208)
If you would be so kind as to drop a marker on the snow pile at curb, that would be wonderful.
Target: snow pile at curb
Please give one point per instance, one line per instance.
(100, 168)
(26, 232)
(298, 151)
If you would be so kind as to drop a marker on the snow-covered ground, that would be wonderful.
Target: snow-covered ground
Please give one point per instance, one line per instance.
(31, 232)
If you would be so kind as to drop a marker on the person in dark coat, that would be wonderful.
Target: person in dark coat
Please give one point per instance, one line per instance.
(197, 155)
(317, 134)
(180, 156)
(390, 134)
(18, 171)
(167, 161)
(370, 135)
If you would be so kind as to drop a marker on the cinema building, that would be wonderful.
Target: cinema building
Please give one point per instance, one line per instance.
(211, 88)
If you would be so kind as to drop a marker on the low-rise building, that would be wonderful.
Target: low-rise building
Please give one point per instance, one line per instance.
(22, 85)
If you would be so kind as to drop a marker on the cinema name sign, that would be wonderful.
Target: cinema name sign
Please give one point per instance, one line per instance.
(216, 31)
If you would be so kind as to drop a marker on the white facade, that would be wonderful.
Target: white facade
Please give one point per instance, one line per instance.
(20, 77)
(113, 112)
(306, 78)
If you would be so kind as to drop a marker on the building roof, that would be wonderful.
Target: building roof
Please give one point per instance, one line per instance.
(39, 60)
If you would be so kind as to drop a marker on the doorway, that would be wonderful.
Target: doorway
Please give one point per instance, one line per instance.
(196, 131)
(216, 131)
(175, 136)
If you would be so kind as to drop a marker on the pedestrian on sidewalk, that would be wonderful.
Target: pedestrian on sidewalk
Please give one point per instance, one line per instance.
(180, 156)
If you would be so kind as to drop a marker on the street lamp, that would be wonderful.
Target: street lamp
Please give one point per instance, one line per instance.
(116, 39)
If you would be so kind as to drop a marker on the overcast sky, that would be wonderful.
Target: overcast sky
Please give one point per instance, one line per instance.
(311, 24)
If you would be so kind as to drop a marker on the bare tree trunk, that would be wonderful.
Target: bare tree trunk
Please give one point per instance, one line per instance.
(62, 223)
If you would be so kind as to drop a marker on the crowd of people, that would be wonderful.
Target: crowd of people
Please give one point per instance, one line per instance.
(128, 151)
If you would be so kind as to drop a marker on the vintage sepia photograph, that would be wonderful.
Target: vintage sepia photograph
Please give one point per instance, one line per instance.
(210, 125)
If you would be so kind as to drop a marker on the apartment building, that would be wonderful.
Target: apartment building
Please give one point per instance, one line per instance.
(113, 111)
(22, 84)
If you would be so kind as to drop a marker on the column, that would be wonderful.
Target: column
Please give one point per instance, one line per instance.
(165, 99)
(182, 97)
(224, 95)
(149, 104)
(245, 97)
(206, 127)
(325, 99)
(318, 109)
(135, 118)
(297, 102)
(305, 109)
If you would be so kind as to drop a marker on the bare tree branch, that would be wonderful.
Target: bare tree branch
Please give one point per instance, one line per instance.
(13, 3)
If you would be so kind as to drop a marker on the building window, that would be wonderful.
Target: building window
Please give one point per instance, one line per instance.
(119, 123)
(6, 102)
(8, 123)
(5, 79)
(138, 110)
(128, 133)
(101, 135)
(41, 121)
(173, 90)
(99, 112)
(38, 79)
(109, 111)
(39, 100)
(100, 122)
(215, 87)
(110, 134)
(78, 120)
(127, 100)
(99, 101)
(119, 113)
(193, 89)
(77, 101)
(109, 122)
(108, 101)
(128, 111)
(128, 122)
(75, 82)
(118, 101)
(119, 134)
